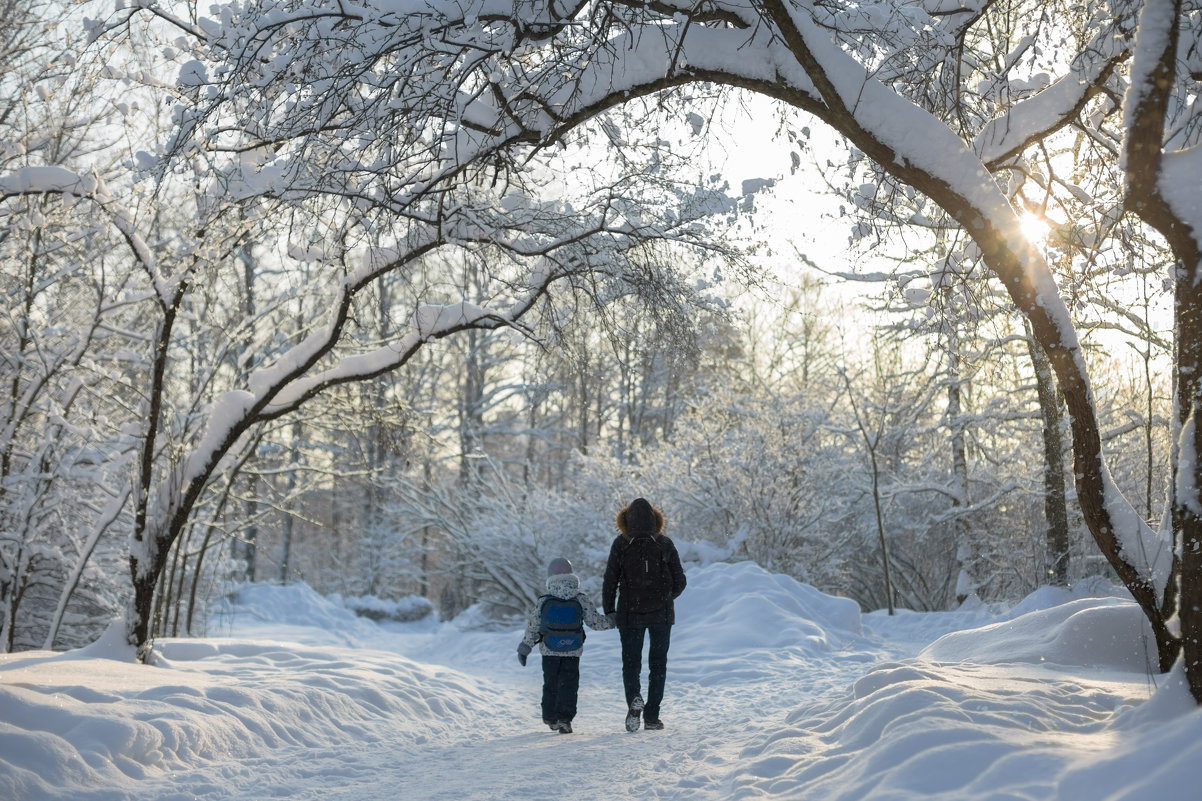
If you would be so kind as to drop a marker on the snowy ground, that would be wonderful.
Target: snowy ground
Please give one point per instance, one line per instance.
(774, 691)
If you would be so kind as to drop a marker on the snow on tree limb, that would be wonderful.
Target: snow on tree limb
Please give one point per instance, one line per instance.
(1151, 61)
(48, 179)
(1052, 108)
(1145, 110)
(57, 180)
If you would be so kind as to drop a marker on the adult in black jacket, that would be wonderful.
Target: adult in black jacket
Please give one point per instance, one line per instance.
(644, 577)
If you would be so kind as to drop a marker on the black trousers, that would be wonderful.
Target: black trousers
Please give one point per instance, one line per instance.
(561, 684)
(657, 664)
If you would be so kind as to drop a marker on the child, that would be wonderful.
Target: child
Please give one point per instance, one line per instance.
(557, 626)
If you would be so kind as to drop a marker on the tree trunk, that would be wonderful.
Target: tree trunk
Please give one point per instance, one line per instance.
(1190, 601)
(250, 545)
(1149, 97)
(1187, 493)
(966, 582)
(1055, 508)
(880, 529)
(146, 574)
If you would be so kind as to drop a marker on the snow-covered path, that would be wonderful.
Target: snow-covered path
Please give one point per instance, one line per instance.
(492, 744)
(774, 691)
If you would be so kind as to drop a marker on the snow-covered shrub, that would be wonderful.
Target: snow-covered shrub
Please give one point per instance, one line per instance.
(404, 610)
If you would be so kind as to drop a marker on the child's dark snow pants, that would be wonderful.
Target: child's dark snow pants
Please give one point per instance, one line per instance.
(561, 683)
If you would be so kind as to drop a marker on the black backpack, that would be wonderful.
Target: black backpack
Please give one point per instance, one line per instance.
(645, 584)
(561, 623)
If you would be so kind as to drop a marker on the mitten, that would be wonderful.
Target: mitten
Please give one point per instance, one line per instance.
(523, 652)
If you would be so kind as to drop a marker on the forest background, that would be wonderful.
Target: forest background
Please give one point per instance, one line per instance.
(800, 359)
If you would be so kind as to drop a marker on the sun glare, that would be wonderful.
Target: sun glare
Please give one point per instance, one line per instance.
(1035, 228)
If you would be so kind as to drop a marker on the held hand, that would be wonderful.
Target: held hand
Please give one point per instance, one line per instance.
(612, 617)
(523, 652)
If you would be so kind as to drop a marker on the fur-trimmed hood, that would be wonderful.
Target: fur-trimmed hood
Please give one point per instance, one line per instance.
(640, 517)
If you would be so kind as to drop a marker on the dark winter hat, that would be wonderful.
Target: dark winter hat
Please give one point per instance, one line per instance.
(559, 567)
(640, 517)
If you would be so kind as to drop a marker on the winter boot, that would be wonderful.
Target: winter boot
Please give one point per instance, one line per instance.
(632, 714)
(653, 725)
(565, 727)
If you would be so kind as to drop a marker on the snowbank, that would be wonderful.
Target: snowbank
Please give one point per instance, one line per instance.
(292, 612)
(1088, 633)
(85, 722)
(742, 607)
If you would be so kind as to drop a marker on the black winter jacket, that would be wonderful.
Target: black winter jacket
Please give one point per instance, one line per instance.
(612, 585)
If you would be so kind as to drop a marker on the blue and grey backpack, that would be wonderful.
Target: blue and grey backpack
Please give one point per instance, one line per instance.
(561, 623)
